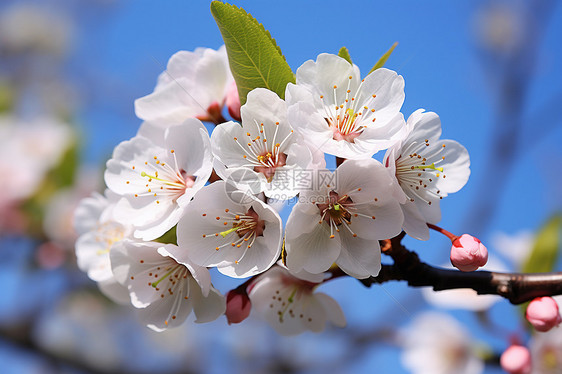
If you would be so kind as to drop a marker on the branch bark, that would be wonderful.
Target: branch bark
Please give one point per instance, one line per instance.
(515, 287)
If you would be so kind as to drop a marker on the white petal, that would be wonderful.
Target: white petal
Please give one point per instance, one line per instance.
(180, 99)
(359, 258)
(303, 219)
(133, 265)
(88, 212)
(372, 191)
(456, 167)
(389, 90)
(362, 180)
(226, 149)
(208, 308)
(264, 106)
(385, 135)
(423, 125)
(199, 273)
(192, 147)
(168, 312)
(332, 308)
(320, 76)
(314, 251)
(431, 213)
(414, 224)
(92, 256)
(115, 291)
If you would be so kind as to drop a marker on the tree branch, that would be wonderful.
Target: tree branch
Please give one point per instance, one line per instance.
(515, 287)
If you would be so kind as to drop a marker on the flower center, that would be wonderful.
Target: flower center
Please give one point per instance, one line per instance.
(264, 155)
(168, 279)
(286, 298)
(164, 180)
(347, 117)
(418, 172)
(249, 224)
(344, 127)
(246, 227)
(107, 234)
(334, 209)
(270, 164)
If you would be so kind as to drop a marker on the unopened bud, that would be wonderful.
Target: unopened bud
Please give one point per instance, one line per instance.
(468, 253)
(233, 101)
(516, 360)
(543, 313)
(238, 306)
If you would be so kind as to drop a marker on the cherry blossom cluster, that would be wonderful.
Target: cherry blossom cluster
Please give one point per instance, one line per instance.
(219, 195)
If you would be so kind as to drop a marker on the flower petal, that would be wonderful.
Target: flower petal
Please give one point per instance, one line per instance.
(359, 258)
(208, 308)
(314, 251)
(332, 308)
(414, 224)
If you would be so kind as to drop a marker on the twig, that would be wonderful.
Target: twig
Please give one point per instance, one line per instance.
(515, 287)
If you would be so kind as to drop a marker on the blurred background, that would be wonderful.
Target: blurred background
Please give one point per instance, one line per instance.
(69, 74)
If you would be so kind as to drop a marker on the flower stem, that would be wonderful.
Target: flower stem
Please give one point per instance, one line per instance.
(443, 231)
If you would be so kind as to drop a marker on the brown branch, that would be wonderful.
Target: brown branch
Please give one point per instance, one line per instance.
(515, 287)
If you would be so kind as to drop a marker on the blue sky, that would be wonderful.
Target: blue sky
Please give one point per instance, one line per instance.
(119, 53)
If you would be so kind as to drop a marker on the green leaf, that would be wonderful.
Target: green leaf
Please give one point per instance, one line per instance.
(254, 57)
(344, 53)
(6, 99)
(380, 63)
(61, 176)
(169, 237)
(545, 250)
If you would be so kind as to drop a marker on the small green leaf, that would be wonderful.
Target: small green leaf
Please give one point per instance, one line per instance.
(254, 57)
(64, 173)
(169, 237)
(61, 176)
(545, 250)
(380, 63)
(344, 53)
(6, 99)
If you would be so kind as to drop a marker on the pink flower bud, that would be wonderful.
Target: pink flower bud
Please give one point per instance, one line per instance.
(238, 306)
(543, 313)
(516, 360)
(233, 101)
(468, 253)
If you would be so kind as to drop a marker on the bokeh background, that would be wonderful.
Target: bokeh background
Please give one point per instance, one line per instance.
(70, 72)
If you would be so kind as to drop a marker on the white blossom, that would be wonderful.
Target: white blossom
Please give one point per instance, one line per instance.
(264, 152)
(157, 172)
(342, 221)
(240, 238)
(28, 150)
(291, 305)
(98, 231)
(427, 169)
(546, 350)
(194, 85)
(342, 114)
(165, 290)
(436, 343)
(45, 31)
